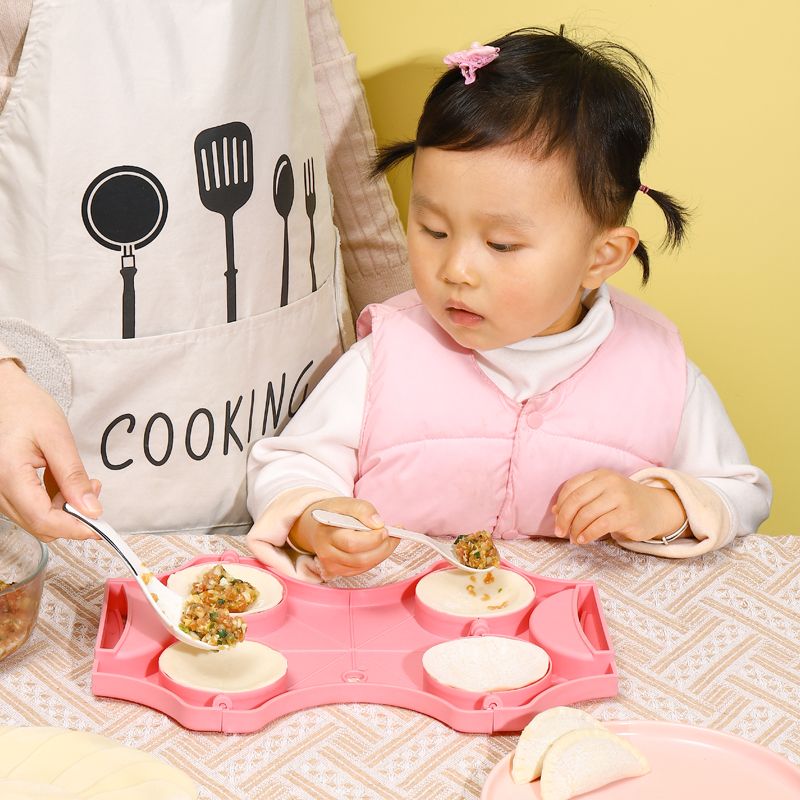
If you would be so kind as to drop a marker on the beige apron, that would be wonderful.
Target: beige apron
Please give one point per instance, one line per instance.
(165, 215)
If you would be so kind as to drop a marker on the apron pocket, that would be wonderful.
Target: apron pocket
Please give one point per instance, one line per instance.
(166, 421)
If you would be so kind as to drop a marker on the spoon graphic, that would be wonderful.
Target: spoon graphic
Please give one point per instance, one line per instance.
(283, 195)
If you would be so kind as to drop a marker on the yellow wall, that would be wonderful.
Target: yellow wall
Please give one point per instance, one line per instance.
(728, 116)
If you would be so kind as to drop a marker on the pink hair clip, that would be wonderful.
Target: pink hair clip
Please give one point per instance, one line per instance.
(478, 55)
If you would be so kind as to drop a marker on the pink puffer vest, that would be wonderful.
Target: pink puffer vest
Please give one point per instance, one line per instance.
(443, 450)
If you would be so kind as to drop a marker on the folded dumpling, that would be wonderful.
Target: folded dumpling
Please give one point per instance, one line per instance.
(540, 733)
(587, 759)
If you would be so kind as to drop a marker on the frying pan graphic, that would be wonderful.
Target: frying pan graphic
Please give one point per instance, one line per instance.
(124, 209)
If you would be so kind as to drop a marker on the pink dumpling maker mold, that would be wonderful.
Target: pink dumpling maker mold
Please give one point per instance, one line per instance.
(361, 646)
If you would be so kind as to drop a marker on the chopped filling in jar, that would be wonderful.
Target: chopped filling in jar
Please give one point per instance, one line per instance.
(476, 550)
(212, 625)
(18, 609)
(219, 590)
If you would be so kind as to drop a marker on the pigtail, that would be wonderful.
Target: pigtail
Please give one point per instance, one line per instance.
(677, 217)
(391, 155)
(676, 214)
(642, 256)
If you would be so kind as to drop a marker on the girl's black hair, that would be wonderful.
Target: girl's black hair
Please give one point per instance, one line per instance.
(545, 94)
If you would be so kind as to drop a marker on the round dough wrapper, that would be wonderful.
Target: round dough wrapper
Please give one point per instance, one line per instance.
(486, 663)
(61, 764)
(446, 590)
(270, 589)
(244, 668)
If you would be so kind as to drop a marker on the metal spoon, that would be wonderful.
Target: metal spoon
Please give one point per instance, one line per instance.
(447, 551)
(168, 604)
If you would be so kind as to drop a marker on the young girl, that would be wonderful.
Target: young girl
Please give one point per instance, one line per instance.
(514, 391)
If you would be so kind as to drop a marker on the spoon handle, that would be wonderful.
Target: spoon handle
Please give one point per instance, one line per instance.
(339, 520)
(413, 536)
(111, 537)
(346, 521)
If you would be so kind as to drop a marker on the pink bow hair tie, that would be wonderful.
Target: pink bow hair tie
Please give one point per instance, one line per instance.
(478, 55)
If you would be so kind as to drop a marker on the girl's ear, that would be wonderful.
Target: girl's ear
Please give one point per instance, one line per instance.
(612, 250)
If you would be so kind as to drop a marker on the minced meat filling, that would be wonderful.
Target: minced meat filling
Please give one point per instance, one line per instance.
(212, 625)
(18, 610)
(207, 611)
(218, 589)
(476, 550)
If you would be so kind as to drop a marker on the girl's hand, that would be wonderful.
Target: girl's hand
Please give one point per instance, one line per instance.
(342, 551)
(602, 502)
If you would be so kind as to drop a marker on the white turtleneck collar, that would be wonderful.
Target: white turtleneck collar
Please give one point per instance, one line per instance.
(534, 366)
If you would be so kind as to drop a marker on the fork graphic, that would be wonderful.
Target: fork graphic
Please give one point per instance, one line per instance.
(311, 205)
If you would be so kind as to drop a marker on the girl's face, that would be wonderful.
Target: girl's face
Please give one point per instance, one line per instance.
(500, 245)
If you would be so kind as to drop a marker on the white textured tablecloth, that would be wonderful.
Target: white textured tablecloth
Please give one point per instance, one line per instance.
(713, 642)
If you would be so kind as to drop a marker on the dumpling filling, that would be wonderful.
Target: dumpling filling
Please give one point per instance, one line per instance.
(476, 550)
(207, 610)
(217, 589)
(212, 625)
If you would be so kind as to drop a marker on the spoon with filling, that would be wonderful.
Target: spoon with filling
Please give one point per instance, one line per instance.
(448, 550)
(168, 604)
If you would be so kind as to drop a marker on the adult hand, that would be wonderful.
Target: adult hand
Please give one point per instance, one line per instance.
(601, 502)
(33, 434)
(342, 551)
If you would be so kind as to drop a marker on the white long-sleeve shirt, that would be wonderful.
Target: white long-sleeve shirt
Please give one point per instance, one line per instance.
(316, 455)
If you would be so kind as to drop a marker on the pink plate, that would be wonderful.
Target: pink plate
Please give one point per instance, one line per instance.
(687, 763)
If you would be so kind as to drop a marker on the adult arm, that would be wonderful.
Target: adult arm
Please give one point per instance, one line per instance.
(8, 354)
(14, 16)
(373, 243)
(38, 457)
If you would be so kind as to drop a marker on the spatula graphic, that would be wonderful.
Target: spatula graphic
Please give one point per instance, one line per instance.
(224, 161)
